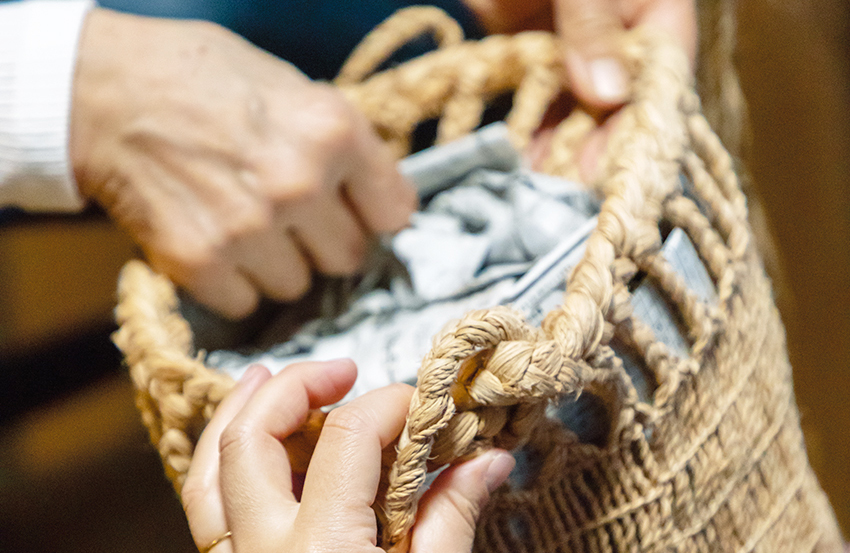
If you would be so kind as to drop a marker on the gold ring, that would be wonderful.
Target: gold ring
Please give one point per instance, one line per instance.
(225, 536)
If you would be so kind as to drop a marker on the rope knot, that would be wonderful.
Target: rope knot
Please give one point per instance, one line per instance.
(500, 392)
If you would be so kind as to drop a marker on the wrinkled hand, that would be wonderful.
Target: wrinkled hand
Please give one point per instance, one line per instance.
(236, 174)
(592, 32)
(240, 478)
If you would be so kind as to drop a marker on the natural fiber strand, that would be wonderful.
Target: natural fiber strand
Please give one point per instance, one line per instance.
(713, 461)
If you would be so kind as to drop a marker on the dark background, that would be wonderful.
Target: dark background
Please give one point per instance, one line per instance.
(77, 472)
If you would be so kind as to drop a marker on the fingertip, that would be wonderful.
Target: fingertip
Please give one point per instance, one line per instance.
(402, 203)
(601, 82)
(326, 381)
(410, 194)
(254, 372)
(609, 80)
(488, 471)
(212, 279)
(232, 295)
(450, 509)
(593, 34)
(250, 381)
(342, 371)
(380, 195)
(404, 392)
(240, 307)
(405, 388)
(499, 467)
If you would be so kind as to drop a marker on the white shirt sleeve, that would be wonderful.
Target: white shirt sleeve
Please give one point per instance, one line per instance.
(38, 46)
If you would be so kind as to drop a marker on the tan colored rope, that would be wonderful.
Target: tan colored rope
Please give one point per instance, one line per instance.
(679, 472)
(454, 84)
(642, 172)
(176, 393)
(394, 33)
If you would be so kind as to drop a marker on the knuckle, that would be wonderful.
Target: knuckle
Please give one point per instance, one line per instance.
(188, 256)
(332, 123)
(234, 441)
(304, 182)
(245, 220)
(192, 494)
(467, 510)
(207, 30)
(348, 260)
(350, 420)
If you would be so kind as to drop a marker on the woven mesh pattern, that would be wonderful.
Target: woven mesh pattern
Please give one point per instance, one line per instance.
(722, 469)
(713, 461)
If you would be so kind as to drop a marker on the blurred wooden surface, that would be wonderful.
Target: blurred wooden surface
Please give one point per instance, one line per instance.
(794, 62)
(58, 278)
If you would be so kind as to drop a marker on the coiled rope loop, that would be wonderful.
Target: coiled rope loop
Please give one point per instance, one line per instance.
(492, 362)
(489, 376)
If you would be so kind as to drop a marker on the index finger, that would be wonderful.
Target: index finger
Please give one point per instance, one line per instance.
(345, 471)
(256, 480)
(201, 494)
(382, 198)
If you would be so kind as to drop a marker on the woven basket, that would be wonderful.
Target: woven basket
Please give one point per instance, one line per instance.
(712, 461)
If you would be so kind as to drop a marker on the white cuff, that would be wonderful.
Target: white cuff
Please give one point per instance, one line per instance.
(38, 47)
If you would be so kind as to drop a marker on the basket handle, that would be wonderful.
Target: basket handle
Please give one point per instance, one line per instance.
(393, 33)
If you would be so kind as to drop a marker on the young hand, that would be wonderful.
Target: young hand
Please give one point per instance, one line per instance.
(241, 482)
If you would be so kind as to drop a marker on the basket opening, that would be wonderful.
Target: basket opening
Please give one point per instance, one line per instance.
(587, 417)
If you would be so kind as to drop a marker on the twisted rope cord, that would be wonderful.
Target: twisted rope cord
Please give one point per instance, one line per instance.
(569, 135)
(513, 369)
(394, 33)
(644, 171)
(450, 84)
(176, 394)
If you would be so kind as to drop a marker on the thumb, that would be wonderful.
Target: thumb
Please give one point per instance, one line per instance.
(450, 508)
(592, 31)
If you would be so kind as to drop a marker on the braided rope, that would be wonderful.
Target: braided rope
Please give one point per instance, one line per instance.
(489, 376)
(425, 88)
(454, 84)
(394, 33)
(177, 394)
(649, 146)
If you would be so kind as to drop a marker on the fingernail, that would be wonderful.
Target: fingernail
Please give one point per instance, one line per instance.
(609, 79)
(249, 373)
(498, 470)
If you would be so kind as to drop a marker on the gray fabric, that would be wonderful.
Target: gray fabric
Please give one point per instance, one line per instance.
(490, 233)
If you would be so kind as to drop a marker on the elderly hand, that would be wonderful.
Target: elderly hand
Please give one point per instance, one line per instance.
(236, 174)
(240, 480)
(591, 32)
